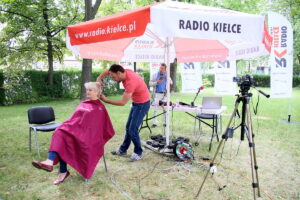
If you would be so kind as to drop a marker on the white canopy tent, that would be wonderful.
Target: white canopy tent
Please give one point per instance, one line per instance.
(164, 31)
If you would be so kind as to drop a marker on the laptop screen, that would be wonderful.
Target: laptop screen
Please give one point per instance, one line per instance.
(211, 102)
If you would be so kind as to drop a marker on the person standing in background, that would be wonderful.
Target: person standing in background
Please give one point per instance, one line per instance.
(159, 82)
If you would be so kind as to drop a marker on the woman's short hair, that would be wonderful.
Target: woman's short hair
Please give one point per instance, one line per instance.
(94, 86)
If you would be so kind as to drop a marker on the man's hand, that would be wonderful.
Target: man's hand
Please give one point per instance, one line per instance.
(103, 98)
(118, 102)
(99, 80)
(101, 76)
(160, 80)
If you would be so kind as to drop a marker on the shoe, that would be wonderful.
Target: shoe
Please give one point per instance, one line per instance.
(57, 182)
(134, 157)
(118, 153)
(40, 165)
(153, 126)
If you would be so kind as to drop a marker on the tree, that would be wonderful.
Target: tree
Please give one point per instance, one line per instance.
(32, 30)
(291, 10)
(86, 74)
(173, 72)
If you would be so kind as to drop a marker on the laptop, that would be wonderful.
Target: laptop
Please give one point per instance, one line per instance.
(211, 102)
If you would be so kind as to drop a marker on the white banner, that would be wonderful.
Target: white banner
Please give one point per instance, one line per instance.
(154, 68)
(224, 73)
(281, 59)
(126, 65)
(175, 19)
(191, 77)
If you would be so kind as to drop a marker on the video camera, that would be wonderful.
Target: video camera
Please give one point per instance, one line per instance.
(244, 82)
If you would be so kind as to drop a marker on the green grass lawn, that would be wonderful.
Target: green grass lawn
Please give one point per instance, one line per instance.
(156, 176)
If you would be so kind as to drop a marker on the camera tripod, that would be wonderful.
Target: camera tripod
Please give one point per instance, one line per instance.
(243, 97)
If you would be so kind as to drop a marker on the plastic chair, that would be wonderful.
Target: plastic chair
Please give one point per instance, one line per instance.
(210, 103)
(40, 119)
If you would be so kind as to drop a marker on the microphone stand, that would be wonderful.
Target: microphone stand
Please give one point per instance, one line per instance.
(192, 103)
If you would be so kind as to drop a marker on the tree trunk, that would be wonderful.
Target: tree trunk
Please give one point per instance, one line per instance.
(134, 66)
(49, 43)
(50, 62)
(86, 74)
(173, 71)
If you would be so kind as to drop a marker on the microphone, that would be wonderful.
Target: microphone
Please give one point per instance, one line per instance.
(263, 93)
(199, 89)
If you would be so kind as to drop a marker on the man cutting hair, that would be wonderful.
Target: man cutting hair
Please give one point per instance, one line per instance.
(135, 89)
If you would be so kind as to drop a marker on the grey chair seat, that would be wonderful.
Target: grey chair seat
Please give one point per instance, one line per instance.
(205, 116)
(46, 127)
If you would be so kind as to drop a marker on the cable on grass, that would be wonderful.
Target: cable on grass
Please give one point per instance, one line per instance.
(187, 166)
(152, 169)
(139, 181)
(239, 173)
(119, 188)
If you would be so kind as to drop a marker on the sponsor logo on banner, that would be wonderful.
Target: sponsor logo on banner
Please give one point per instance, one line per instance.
(148, 41)
(191, 77)
(267, 39)
(224, 73)
(281, 58)
(147, 48)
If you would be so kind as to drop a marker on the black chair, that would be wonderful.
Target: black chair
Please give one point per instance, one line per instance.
(210, 103)
(41, 119)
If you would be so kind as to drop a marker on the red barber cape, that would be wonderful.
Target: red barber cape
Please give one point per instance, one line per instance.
(80, 140)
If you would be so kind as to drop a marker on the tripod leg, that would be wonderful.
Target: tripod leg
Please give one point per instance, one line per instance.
(212, 134)
(254, 167)
(216, 126)
(219, 146)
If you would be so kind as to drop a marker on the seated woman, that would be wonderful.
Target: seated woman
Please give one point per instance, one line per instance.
(80, 140)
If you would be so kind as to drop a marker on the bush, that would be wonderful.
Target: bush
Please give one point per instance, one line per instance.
(40, 87)
(296, 81)
(71, 80)
(261, 80)
(111, 87)
(178, 82)
(31, 86)
(146, 76)
(208, 80)
(18, 86)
